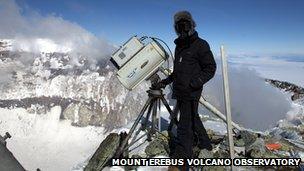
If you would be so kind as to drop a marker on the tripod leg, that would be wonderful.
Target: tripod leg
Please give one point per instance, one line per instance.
(173, 114)
(144, 126)
(125, 141)
(159, 115)
(135, 136)
(154, 116)
(151, 130)
(166, 105)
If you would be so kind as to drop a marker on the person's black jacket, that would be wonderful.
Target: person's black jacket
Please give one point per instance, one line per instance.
(194, 65)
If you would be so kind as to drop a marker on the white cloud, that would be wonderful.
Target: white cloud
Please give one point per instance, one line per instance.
(254, 103)
(56, 33)
(283, 69)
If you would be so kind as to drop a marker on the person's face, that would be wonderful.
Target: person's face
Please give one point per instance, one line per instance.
(183, 27)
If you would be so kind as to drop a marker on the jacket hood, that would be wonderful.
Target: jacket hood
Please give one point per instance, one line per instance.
(185, 15)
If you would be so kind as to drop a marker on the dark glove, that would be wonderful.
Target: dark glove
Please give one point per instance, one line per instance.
(160, 84)
(196, 83)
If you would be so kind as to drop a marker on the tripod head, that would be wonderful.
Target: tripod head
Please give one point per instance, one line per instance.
(155, 79)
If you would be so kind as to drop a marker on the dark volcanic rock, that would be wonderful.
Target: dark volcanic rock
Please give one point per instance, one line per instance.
(155, 148)
(44, 102)
(87, 114)
(205, 154)
(298, 92)
(247, 137)
(158, 146)
(104, 153)
(256, 149)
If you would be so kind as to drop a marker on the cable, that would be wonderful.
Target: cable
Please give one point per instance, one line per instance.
(143, 38)
(155, 38)
(171, 54)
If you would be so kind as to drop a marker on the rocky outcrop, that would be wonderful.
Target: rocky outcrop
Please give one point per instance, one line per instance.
(104, 153)
(158, 146)
(38, 105)
(83, 114)
(298, 92)
(88, 92)
(248, 144)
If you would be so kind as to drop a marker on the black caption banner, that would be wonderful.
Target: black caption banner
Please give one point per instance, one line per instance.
(206, 162)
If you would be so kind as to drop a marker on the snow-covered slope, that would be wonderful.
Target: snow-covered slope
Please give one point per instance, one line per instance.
(58, 106)
(294, 117)
(46, 142)
(84, 85)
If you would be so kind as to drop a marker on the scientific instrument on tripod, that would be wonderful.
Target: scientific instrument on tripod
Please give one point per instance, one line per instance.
(138, 60)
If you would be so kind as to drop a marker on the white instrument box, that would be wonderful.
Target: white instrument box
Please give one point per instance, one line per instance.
(126, 52)
(140, 67)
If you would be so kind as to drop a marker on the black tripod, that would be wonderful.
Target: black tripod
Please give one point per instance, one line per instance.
(156, 96)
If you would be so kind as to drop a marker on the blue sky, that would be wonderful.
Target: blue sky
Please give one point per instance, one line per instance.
(259, 27)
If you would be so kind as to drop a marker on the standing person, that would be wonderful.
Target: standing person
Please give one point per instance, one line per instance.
(194, 65)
